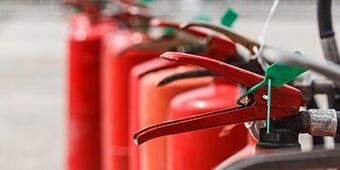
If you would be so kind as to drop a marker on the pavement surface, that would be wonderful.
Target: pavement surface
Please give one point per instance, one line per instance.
(32, 78)
(32, 88)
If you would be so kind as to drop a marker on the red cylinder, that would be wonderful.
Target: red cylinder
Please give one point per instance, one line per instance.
(84, 42)
(115, 79)
(153, 105)
(207, 148)
(136, 74)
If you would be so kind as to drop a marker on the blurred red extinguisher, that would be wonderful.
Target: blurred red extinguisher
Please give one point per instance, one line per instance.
(153, 102)
(136, 74)
(84, 41)
(118, 60)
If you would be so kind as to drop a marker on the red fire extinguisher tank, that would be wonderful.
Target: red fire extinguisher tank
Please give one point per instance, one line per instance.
(115, 85)
(204, 149)
(153, 104)
(84, 41)
(136, 74)
(248, 151)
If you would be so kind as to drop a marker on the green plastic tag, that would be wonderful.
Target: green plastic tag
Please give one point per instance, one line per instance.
(145, 2)
(276, 75)
(168, 31)
(282, 74)
(202, 18)
(229, 17)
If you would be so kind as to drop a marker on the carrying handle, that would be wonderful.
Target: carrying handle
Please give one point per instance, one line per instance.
(247, 43)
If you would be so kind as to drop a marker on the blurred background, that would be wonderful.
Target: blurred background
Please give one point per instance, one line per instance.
(33, 67)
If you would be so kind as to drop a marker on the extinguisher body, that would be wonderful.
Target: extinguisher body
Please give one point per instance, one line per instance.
(136, 74)
(205, 149)
(83, 119)
(153, 105)
(248, 151)
(115, 83)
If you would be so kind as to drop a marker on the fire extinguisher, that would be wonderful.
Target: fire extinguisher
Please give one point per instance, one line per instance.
(84, 40)
(116, 65)
(135, 75)
(153, 154)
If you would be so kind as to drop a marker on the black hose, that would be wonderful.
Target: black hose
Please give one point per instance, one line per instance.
(325, 18)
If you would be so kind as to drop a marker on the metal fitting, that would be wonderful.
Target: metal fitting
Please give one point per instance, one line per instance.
(323, 122)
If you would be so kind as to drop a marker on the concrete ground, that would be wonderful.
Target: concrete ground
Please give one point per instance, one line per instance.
(32, 88)
(32, 78)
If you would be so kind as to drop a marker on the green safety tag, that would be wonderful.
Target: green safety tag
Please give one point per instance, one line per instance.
(229, 17)
(202, 18)
(169, 31)
(276, 75)
(145, 2)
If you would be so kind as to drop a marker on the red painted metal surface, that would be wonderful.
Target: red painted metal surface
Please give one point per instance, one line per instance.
(153, 105)
(84, 43)
(248, 151)
(205, 149)
(136, 74)
(115, 85)
(286, 101)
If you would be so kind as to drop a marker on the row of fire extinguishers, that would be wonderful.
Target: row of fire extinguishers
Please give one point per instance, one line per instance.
(113, 90)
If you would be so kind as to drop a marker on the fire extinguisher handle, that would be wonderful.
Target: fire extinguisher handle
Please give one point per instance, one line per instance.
(161, 45)
(233, 73)
(198, 122)
(219, 47)
(246, 42)
(185, 75)
(164, 23)
(200, 33)
(243, 77)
